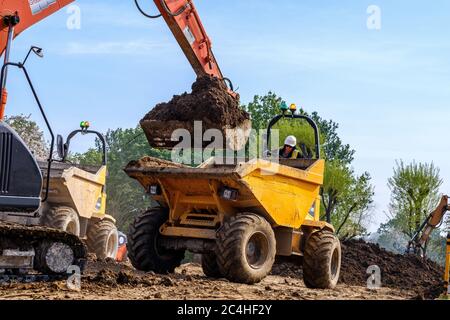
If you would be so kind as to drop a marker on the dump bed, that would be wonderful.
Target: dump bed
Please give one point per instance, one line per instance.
(77, 186)
(58, 168)
(286, 193)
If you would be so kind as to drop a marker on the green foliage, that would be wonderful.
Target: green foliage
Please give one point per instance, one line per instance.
(262, 109)
(31, 134)
(347, 198)
(414, 194)
(92, 157)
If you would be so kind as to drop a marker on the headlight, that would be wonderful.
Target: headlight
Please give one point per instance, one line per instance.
(228, 194)
(154, 190)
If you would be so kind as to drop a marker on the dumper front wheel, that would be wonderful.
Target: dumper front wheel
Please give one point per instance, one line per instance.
(246, 248)
(210, 266)
(103, 239)
(144, 249)
(62, 218)
(322, 261)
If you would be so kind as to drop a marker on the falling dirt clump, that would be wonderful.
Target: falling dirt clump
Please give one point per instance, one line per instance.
(209, 102)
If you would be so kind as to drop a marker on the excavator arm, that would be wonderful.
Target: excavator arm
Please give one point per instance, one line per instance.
(29, 13)
(423, 234)
(180, 15)
(183, 20)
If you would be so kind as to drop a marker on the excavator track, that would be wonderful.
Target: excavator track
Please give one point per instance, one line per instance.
(54, 251)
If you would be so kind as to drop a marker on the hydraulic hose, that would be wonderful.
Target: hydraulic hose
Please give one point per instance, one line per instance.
(174, 14)
(228, 83)
(144, 13)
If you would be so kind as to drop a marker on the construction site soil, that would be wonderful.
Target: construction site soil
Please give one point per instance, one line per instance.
(209, 102)
(150, 162)
(403, 277)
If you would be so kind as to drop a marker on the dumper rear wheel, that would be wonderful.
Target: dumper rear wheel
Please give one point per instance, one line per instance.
(210, 266)
(144, 249)
(62, 218)
(103, 239)
(322, 261)
(246, 248)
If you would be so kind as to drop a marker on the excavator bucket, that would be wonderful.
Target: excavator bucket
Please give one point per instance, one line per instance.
(173, 134)
(208, 115)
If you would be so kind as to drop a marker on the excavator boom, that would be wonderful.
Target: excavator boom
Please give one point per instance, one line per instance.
(183, 20)
(180, 15)
(29, 12)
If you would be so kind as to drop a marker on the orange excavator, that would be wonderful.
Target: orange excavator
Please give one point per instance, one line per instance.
(23, 244)
(419, 241)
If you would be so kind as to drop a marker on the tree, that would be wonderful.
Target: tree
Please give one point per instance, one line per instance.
(347, 197)
(262, 109)
(414, 194)
(31, 134)
(334, 148)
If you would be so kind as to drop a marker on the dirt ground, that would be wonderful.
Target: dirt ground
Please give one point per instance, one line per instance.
(120, 282)
(403, 277)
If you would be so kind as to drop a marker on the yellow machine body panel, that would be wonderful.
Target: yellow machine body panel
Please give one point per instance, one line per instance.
(80, 189)
(286, 195)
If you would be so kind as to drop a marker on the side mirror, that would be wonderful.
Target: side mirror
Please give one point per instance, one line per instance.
(60, 147)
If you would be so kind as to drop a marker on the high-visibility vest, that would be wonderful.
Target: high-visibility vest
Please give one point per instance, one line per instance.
(295, 154)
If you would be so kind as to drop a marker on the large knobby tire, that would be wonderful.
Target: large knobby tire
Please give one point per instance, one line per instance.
(62, 218)
(246, 248)
(103, 239)
(144, 250)
(322, 261)
(210, 266)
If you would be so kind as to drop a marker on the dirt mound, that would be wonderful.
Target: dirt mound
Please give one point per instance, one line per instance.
(150, 162)
(208, 102)
(405, 272)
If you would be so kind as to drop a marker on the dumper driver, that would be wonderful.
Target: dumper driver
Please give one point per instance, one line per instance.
(289, 151)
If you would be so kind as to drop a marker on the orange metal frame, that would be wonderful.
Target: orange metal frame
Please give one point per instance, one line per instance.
(24, 9)
(186, 27)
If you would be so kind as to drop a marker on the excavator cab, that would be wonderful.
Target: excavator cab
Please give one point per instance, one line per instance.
(20, 176)
(21, 180)
(23, 193)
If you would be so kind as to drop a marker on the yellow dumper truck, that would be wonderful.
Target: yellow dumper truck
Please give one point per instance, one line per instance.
(238, 216)
(77, 199)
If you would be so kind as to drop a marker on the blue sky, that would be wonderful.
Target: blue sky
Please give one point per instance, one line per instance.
(388, 89)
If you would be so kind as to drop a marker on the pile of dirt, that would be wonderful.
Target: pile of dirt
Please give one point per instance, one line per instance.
(209, 102)
(150, 162)
(405, 272)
